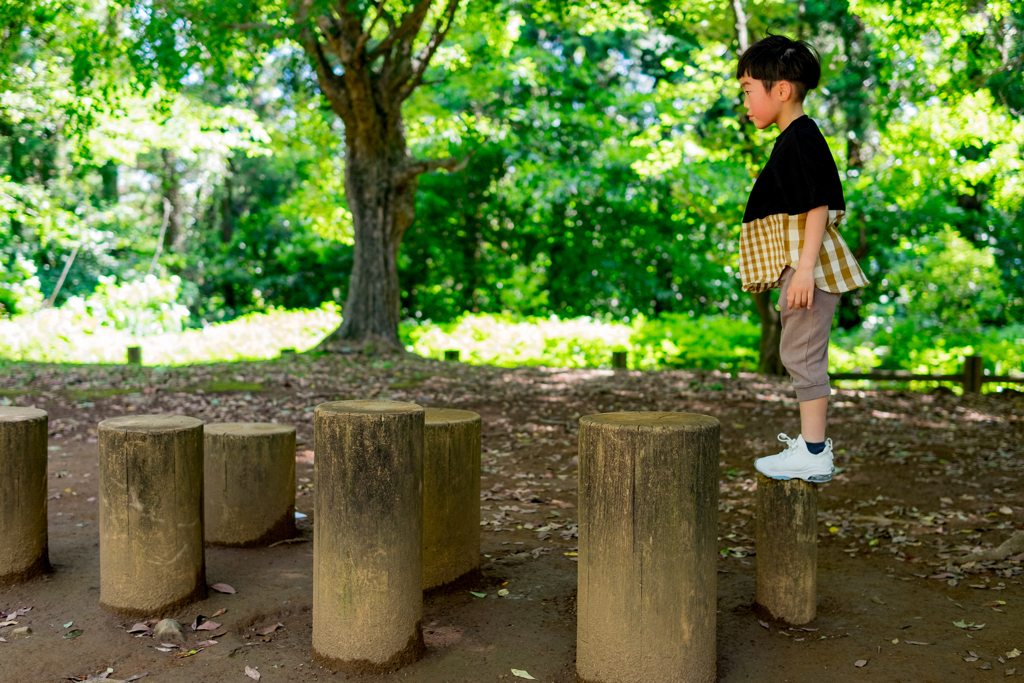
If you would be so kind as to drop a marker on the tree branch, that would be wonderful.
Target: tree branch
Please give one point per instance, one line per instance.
(441, 28)
(361, 43)
(420, 166)
(331, 84)
(407, 30)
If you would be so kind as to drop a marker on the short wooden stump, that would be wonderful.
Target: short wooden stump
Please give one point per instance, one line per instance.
(368, 535)
(787, 549)
(648, 506)
(23, 540)
(451, 495)
(250, 483)
(151, 514)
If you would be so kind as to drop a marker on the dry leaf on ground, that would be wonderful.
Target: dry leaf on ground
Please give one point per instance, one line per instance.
(252, 673)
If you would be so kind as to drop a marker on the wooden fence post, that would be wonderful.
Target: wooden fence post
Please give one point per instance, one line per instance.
(619, 360)
(648, 497)
(786, 583)
(973, 374)
(23, 538)
(151, 514)
(451, 495)
(134, 355)
(368, 535)
(249, 496)
(451, 354)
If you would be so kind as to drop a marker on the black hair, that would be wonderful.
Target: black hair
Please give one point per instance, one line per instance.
(777, 58)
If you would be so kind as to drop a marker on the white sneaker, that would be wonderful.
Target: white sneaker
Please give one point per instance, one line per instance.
(796, 462)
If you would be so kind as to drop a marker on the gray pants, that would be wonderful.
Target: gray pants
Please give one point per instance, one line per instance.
(804, 344)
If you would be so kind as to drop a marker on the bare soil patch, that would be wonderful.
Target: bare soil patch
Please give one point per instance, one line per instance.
(925, 479)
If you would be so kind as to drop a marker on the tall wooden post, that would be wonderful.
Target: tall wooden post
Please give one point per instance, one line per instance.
(787, 549)
(151, 514)
(648, 497)
(451, 495)
(368, 535)
(249, 494)
(974, 372)
(23, 539)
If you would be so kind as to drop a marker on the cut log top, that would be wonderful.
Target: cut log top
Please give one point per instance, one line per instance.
(151, 423)
(244, 429)
(651, 420)
(12, 414)
(436, 416)
(368, 407)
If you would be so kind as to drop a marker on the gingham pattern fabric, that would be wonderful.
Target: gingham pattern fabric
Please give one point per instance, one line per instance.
(768, 245)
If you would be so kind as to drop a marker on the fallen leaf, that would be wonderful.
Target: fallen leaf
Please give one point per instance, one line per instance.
(764, 624)
(252, 673)
(7, 623)
(208, 625)
(223, 588)
(915, 642)
(1006, 510)
(138, 628)
(270, 629)
(138, 676)
(206, 643)
(179, 655)
(1013, 654)
(219, 612)
(994, 603)
(479, 595)
(895, 641)
(503, 592)
(3, 640)
(971, 659)
(1010, 672)
(163, 649)
(69, 624)
(860, 663)
(174, 646)
(73, 634)
(519, 673)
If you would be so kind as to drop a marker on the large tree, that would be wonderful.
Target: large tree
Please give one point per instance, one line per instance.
(368, 59)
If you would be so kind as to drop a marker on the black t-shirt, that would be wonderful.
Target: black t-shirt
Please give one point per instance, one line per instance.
(800, 175)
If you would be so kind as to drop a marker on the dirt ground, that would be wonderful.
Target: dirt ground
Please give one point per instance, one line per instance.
(925, 477)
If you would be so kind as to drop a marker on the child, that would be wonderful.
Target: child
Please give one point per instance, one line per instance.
(789, 240)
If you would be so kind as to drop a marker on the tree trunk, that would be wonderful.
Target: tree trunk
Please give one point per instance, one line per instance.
(172, 192)
(770, 360)
(227, 205)
(382, 203)
(108, 174)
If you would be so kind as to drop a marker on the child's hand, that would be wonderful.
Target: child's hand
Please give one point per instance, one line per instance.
(801, 289)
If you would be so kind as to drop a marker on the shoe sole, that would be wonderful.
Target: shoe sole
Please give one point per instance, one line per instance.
(814, 478)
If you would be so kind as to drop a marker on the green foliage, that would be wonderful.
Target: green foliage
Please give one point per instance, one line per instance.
(610, 166)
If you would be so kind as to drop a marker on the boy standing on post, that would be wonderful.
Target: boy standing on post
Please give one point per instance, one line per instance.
(789, 240)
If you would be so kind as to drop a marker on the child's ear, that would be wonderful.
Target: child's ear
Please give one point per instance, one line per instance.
(785, 90)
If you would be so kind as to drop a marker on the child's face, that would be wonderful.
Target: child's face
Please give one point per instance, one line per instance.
(763, 106)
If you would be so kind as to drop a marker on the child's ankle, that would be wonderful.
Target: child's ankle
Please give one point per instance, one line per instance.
(815, 447)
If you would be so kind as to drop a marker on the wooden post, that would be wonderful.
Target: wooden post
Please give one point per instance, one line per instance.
(787, 549)
(249, 494)
(288, 353)
(151, 514)
(368, 535)
(134, 355)
(974, 372)
(648, 497)
(451, 495)
(619, 360)
(23, 540)
(451, 354)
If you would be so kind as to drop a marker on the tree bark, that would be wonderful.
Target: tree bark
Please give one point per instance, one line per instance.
(366, 85)
(382, 211)
(172, 193)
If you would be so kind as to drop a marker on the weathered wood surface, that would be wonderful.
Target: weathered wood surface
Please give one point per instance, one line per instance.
(249, 494)
(787, 549)
(368, 535)
(648, 502)
(23, 536)
(152, 559)
(451, 495)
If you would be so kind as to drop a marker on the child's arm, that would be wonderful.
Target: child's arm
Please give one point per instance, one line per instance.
(801, 287)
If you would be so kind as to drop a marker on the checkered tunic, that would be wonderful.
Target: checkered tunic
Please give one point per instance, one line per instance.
(800, 175)
(768, 245)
